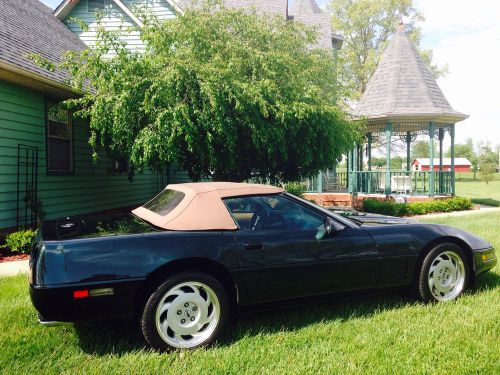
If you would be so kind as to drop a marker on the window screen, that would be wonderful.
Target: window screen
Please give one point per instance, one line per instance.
(59, 139)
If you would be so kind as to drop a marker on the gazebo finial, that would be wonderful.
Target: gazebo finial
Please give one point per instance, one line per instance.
(401, 27)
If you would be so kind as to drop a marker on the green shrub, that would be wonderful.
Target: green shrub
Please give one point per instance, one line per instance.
(385, 207)
(416, 208)
(20, 241)
(296, 188)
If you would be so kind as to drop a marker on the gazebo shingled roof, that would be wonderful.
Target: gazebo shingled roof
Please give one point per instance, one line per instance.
(403, 91)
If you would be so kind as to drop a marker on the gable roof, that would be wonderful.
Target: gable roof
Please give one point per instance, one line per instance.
(403, 87)
(309, 13)
(66, 6)
(27, 27)
(446, 161)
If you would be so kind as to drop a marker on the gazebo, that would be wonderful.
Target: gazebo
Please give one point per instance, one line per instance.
(401, 101)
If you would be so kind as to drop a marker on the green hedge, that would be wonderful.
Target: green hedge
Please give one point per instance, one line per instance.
(416, 208)
(20, 241)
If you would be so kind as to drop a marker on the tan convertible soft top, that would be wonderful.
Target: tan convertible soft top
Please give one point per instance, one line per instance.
(202, 207)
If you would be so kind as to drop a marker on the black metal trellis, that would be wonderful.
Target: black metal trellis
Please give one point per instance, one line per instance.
(27, 186)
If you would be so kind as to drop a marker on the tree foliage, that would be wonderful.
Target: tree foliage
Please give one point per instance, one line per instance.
(223, 93)
(381, 162)
(421, 149)
(466, 150)
(488, 162)
(367, 25)
(463, 150)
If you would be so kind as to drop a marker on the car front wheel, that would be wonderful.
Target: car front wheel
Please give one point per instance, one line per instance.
(187, 311)
(443, 274)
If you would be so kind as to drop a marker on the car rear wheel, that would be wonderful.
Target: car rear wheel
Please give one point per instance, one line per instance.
(187, 311)
(443, 275)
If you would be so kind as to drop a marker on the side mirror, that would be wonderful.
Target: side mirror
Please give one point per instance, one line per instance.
(332, 227)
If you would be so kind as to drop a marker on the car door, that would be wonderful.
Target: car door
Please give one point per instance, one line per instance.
(283, 251)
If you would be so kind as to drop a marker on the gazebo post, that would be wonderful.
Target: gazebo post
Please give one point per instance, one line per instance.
(361, 147)
(369, 162)
(408, 149)
(355, 168)
(441, 135)
(320, 182)
(349, 174)
(431, 161)
(388, 136)
(369, 152)
(452, 156)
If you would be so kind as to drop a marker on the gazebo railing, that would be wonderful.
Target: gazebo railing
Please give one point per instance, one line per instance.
(406, 182)
(374, 182)
(327, 181)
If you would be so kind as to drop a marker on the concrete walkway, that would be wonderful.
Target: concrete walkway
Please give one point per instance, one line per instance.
(481, 210)
(14, 268)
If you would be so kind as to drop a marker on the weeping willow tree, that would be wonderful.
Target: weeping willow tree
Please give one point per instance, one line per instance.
(222, 93)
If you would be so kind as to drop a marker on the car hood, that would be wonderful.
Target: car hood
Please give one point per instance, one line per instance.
(365, 218)
(368, 220)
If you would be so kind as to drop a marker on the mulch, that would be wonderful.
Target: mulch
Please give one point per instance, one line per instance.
(13, 257)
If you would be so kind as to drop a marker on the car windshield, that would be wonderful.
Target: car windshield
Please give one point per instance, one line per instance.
(341, 218)
(165, 202)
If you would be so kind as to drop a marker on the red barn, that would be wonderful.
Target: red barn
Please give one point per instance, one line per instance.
(423, 164)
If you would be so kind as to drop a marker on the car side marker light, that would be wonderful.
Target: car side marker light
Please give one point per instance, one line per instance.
(81, 293)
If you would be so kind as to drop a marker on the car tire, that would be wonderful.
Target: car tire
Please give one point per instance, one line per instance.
(189, 310)
(443, 275)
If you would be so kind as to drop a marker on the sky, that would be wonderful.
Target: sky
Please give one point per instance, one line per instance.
(466, 36)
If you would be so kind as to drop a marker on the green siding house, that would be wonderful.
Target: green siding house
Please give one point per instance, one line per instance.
(45, 158)
(44, 153)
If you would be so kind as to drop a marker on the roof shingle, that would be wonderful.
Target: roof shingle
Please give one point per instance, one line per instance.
(29, 26)
(309, 13)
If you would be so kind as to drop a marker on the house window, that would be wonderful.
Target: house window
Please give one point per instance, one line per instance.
(95, 5)
(59, 140)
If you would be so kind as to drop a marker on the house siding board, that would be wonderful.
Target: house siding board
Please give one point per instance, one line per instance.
(91, 188)
(114, 18)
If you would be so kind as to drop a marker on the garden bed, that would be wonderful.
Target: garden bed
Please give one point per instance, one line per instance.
(13, 257)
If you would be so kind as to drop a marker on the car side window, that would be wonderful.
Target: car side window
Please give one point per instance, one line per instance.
(272, 212)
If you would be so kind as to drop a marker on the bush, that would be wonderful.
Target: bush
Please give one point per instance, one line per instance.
(296, 188)
(20, 241)
(416, 208)
(385, 207)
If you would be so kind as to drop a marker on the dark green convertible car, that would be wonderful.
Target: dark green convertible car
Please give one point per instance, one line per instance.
(187, 259)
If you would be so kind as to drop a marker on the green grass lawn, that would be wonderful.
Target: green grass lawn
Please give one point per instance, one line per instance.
(383, 334)
(478, 190)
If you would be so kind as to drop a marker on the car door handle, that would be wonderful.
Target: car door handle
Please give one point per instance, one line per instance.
(253, 245)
